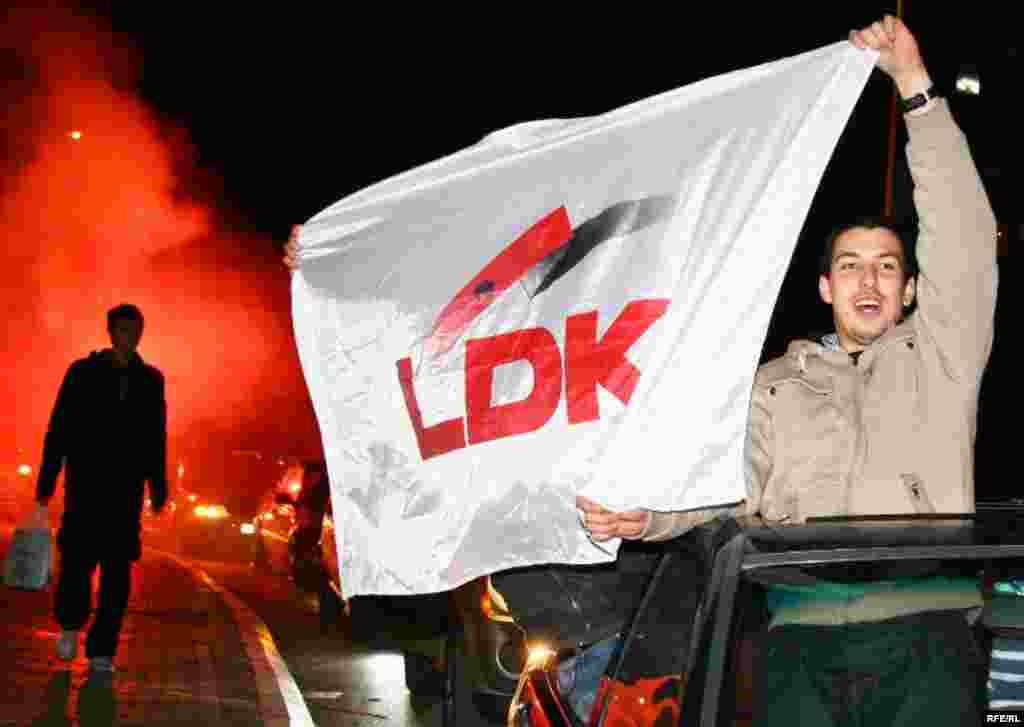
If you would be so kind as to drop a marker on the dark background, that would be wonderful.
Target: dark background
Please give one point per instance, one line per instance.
(250, 120)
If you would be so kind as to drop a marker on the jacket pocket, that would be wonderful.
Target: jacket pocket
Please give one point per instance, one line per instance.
(917, 493)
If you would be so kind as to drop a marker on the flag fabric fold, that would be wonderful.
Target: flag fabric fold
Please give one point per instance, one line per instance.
(568, 307)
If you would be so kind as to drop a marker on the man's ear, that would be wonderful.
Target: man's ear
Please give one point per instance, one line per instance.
(909, 291)
(825, 288)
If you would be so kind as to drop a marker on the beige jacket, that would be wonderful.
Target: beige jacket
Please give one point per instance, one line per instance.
(894, 433)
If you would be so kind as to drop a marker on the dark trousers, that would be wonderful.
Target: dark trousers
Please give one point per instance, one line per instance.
(73, 602)
(925, 669)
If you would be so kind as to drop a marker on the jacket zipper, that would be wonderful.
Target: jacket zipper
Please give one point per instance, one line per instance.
(859, 440)
(860, 435)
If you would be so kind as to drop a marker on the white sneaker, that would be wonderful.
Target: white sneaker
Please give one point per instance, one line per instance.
(101, 663)
(67, 645)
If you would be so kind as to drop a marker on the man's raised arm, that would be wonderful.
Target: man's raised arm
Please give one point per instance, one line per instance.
(956, 248)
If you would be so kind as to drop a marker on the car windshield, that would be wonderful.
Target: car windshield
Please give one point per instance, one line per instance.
(839, 643)
(858, 642)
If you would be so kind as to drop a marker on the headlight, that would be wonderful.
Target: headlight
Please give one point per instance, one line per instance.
(214, 512)
(247, 529)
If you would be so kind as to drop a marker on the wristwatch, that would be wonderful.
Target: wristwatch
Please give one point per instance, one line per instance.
(918, 99)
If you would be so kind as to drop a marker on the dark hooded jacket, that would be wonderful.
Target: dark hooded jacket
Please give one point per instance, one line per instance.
(108, 431)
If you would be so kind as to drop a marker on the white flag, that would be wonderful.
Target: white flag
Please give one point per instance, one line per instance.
(568, 307)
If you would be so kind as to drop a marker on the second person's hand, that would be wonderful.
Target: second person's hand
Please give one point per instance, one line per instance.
(604, 524)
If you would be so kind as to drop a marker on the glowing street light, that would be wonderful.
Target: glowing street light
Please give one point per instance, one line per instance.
(25, 470)
(75, 135)
(968, 82)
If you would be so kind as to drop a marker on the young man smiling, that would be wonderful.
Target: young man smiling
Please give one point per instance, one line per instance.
(868, 280)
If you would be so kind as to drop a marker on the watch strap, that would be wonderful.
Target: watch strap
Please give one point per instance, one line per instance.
(918, 99)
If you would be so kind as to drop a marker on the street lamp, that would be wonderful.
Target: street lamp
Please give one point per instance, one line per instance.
(968, 82)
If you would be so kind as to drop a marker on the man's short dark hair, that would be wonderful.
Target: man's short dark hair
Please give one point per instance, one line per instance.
(905, 231)
(124, 312)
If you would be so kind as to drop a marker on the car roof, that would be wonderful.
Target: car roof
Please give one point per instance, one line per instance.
(990, 533)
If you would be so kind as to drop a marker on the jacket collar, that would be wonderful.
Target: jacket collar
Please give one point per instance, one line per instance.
(803, 352)
(805, 355)
(107, 357)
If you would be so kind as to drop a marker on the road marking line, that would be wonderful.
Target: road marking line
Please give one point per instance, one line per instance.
(281, 702)
(267, 664)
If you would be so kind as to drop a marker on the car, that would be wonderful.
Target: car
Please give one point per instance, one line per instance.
(205, 528)
(690, 654)
(462, 647)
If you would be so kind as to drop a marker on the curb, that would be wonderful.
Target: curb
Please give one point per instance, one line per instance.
(280, 700)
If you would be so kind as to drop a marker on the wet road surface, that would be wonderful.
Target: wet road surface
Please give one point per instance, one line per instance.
(198, 647)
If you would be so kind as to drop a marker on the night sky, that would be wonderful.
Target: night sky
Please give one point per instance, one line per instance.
(216, 130)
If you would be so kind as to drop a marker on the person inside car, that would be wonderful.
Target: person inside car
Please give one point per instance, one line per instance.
(310, 506)
(880, 416)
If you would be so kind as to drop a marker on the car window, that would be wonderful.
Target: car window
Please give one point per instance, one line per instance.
(845, 639)
(655, 678)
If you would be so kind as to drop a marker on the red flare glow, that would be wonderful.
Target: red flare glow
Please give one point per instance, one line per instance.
(111, 212)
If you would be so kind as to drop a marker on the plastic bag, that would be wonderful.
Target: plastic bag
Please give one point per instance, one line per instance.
(29, 559)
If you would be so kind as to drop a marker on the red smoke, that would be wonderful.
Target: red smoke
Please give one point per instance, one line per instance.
(98, 207)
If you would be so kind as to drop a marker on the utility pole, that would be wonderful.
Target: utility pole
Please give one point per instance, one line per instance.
(894, 119)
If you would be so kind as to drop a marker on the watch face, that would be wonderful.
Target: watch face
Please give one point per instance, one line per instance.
(918, 100)
(915, 102)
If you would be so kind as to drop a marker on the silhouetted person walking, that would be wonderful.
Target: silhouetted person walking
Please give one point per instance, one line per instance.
(108, 431)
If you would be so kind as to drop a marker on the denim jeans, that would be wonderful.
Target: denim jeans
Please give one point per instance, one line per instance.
(579, 678)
